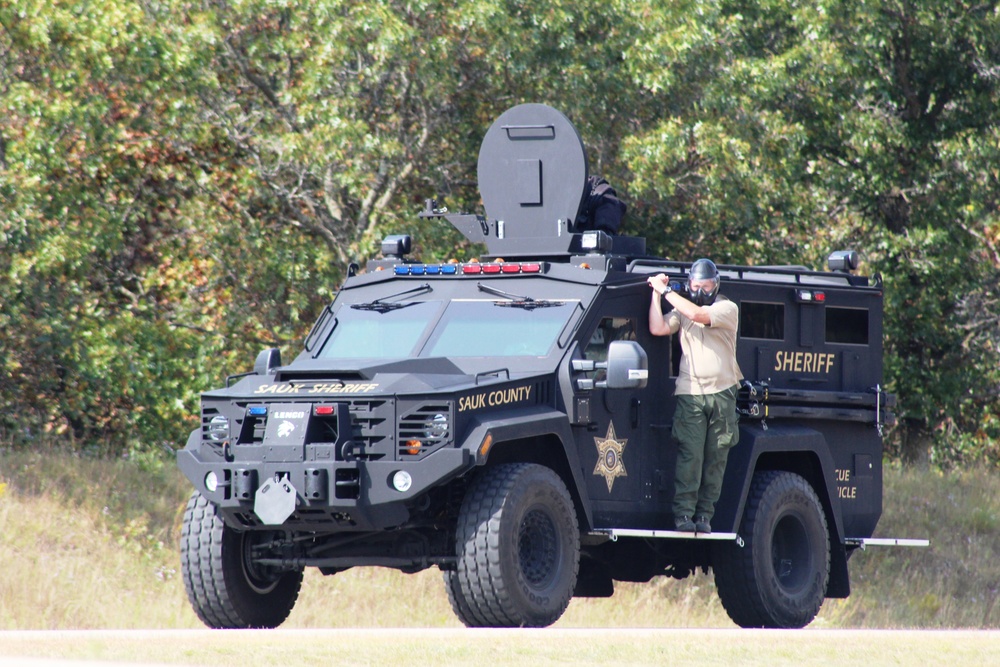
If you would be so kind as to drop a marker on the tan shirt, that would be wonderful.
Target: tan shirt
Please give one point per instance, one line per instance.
(708, 362)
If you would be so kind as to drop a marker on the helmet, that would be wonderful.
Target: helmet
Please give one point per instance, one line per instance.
(701, 270)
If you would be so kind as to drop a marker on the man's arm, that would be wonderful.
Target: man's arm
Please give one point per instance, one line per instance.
(658, 325)
(690, 310)
(693, 312)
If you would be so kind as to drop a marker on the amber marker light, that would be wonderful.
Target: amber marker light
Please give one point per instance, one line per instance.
(484, 448)
(413, 447)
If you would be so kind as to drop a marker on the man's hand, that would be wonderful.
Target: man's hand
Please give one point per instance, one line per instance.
(659, 284)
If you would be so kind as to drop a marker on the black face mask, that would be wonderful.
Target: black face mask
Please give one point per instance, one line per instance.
(702, 297)
(701, 271)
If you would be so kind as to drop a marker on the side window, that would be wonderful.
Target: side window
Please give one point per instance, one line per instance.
(847, 325)
(608, 330)
(762, 320)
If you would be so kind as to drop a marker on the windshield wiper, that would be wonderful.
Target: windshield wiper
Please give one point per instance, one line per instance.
(525, 302)
(383, 306)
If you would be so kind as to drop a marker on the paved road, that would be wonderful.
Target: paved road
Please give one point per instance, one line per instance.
(443, 647)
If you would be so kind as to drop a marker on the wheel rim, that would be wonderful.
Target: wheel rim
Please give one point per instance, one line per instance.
(538, 548)
(260, 578)
(791, 554)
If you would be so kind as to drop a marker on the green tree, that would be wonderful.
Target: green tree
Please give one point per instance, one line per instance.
(125, 246)
(185, 182)
(798, 128)
(168, 167)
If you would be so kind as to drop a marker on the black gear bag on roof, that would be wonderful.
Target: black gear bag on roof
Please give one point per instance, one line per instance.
(602, 209)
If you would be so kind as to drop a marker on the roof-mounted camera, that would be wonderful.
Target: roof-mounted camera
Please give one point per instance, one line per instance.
(843, 260)
(396, 245)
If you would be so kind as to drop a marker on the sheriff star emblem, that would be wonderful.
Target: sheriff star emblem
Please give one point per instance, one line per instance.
(609, 457)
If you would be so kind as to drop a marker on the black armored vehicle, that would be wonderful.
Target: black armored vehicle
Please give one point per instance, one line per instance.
(508, 420)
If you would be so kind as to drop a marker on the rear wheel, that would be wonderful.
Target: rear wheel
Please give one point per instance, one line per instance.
(227, 586)
(518, 547)
(778, 578)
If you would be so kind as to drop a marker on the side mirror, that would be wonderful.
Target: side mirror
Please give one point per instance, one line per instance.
(267, 361)
(628, 366)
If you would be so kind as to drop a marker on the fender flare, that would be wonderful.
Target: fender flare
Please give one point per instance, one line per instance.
(803, 451)
(533, 423)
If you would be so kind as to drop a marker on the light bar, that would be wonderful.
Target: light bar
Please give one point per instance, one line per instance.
(472, 268)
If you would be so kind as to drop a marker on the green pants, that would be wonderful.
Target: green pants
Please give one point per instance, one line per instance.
(706, 427)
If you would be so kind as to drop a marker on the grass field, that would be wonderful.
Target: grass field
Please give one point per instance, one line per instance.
(92, 544)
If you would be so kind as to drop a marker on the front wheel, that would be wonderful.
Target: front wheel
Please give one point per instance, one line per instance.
(778, 579)
(518, 547)
(226, 585)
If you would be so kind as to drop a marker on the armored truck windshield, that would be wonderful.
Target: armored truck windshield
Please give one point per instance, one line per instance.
(514, 327)
(374, 331)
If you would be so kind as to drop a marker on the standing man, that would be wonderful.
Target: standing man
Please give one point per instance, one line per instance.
(705, 420)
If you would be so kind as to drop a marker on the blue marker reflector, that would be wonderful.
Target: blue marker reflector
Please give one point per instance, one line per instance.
(257, 411)
(449, 269)
(401, 270)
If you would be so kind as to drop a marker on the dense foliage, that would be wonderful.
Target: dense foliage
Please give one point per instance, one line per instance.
(185, 182)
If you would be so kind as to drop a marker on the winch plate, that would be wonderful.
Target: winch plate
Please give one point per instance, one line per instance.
(274, 501)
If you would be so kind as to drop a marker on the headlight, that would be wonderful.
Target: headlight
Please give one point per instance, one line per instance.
(402, 481)
(218, 428)
(211, 482)
(436, 428)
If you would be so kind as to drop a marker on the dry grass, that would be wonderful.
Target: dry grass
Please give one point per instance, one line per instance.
(953, 584)
(93, 544)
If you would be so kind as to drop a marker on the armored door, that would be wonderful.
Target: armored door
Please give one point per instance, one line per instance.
(621, 442)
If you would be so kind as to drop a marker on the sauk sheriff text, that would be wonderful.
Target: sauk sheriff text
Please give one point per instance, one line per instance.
(494, 398)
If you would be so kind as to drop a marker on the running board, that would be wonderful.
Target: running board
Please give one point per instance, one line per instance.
(615, 533)
(884, 542)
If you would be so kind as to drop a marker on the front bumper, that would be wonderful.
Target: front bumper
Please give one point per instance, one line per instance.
(330, 495)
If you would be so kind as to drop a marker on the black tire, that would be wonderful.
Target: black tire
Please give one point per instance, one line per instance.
(518, 547)
(778, 578)
(225, 587)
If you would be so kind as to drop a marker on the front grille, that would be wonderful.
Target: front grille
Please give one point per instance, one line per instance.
(207, 414)
(371, 428)
(372, 420)
(423, 429)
